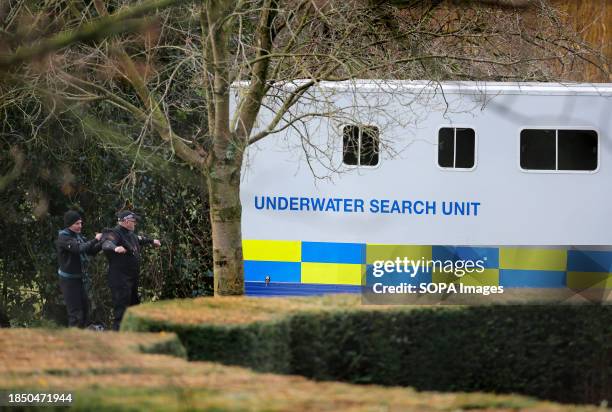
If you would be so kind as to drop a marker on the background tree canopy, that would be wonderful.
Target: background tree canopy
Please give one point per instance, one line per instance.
(51, 161)
(64, 169)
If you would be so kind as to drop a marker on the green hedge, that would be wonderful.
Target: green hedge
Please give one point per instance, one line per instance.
(561, 353)
(261, 346)
(124, 372)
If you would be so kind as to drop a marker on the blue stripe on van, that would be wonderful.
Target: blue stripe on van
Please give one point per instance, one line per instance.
(257, 270)
(489, 255)
(327, 252)
(512, 278)
(295, 289)
(589, 261)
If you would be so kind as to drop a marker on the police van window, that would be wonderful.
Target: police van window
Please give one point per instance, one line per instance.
(538, 149)
(456, 148)
(554, 149)
(360, 145)
(577, 150)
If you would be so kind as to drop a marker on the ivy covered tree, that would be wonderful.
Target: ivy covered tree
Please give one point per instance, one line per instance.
(48, 164)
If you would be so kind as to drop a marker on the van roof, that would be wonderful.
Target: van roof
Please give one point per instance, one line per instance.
(459, 87)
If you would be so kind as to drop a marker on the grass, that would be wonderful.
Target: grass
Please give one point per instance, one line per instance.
(226, 311)
(119, 372)
(241, 311)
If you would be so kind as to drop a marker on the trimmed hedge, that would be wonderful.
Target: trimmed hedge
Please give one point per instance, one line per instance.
(110, 372)
(261, 346)
(561, 353)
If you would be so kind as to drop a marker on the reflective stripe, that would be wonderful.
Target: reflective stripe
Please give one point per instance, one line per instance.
(532, 259)
(488, 255)
(394, 277)
(589, 261)
(488, 277)
(332, 273)
(257, 270)
(376, 252)
(586, 280)
(272, 250)
(336, 263)
(328, 252)
(531, 278)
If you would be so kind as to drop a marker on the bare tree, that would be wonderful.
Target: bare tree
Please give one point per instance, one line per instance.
(31, 35)
(189, 62)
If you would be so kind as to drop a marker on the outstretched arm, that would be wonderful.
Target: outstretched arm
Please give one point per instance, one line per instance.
(71, 245)
(96, 246)
(143, 240)
(110, 244)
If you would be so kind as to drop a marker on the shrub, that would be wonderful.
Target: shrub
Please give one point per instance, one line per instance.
(562, 353)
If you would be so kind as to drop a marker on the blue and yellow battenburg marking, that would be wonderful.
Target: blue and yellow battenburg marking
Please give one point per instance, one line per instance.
(328, 263)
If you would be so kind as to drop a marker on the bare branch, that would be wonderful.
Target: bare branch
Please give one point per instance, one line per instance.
(160, 122)
(123, 21)
(146, 158)
(252, 99)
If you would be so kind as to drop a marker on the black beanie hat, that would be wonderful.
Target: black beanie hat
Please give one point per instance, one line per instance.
(70, 218)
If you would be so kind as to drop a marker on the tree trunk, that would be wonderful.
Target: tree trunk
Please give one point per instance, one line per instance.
(225, 214)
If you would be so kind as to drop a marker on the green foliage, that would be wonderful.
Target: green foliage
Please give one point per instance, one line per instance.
(260, 345)
(562, 353)
(172, 347)
(64, 169)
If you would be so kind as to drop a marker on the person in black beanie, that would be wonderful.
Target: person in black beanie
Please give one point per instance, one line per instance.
(72, 255)
(122, 248)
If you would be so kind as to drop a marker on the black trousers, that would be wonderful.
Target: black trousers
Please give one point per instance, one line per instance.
(76, 300)
(124, 292)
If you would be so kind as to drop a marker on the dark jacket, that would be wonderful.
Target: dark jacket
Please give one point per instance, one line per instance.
(72, 251)
(128, 263)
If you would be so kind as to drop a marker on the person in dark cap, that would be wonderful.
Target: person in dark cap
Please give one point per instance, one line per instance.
(122, 248)
(73, 252)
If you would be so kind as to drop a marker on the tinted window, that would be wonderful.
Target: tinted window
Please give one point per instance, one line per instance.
(465, 148)
(446, 147)
(360, 145)
(369, 146)
(350, 150)
(456, 147)
(538, 149)
(553, 149)
(577, 150)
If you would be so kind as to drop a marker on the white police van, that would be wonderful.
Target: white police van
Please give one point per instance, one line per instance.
(516, 175)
